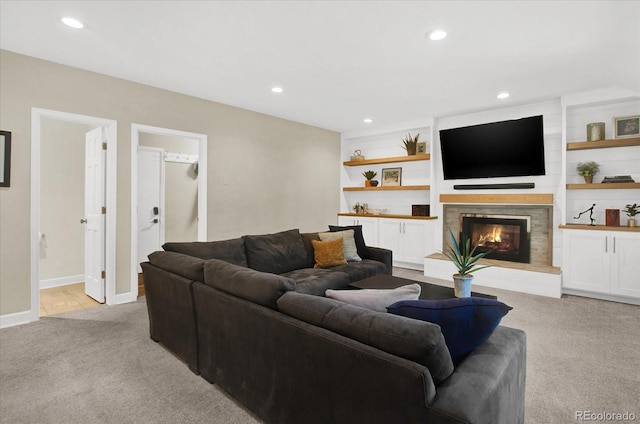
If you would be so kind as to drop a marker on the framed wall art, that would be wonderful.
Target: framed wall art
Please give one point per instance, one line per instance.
(391, 177)
(5, 158)
(612, 217)
(626, 126)
(421, 148)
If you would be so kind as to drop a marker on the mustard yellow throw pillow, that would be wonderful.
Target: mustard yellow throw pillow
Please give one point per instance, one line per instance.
(328, 253)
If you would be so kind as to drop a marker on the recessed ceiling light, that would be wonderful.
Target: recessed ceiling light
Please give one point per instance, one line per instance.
(72, 22)
(368, 120)
(277, 89)
(436, 35)
(503, 95)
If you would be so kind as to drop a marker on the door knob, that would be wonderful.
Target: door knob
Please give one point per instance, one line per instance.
(83, 221)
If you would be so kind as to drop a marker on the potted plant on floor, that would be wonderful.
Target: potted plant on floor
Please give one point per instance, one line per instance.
(632, 211)
(588, 170)
(410, 144)
(465, 259)
(370, 175)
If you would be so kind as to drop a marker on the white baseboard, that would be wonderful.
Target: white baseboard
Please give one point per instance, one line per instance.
(61, 281)
(18, 318)
(123, 298)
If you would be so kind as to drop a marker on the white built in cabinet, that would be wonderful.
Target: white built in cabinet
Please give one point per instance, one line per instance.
(369, 227)
(410, 240)
(602, 264)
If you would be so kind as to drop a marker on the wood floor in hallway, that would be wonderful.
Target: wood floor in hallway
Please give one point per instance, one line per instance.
(57, 300)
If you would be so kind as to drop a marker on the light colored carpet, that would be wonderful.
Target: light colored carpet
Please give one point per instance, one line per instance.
(100, 366)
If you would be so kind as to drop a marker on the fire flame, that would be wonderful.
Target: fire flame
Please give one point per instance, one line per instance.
(495, 236)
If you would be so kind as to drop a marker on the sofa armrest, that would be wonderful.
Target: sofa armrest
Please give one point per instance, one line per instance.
(382, 255)
(488, 386)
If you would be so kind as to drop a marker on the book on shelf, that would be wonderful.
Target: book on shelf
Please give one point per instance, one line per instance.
(618, 179)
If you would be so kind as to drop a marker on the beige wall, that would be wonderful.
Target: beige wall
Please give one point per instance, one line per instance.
(265, 174)
(181, 187)
(62, 199)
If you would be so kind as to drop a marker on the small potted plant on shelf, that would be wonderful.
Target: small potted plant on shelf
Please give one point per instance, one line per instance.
(465, 259)
(370, 175)
(632, 211)
(410, 144)
(588, 170)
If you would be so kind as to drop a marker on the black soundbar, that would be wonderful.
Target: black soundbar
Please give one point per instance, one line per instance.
(493, 186)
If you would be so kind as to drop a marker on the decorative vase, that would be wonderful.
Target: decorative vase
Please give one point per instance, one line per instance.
(374, 183)
(462, 285)
(632, 222)
(411, 151)
(367, 183)
(588, 179)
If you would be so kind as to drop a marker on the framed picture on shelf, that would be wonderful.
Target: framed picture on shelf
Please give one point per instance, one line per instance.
(421, 148)
(612, 217)
(391, 177)
(626, 126)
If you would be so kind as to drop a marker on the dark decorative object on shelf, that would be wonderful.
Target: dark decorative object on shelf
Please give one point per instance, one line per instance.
(612, 217)
(618, 179)
(590, 210)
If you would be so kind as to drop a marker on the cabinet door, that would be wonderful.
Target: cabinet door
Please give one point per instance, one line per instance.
(389, 232)
(414, 240)
(369, 230)
(625, 257)
(585, 261)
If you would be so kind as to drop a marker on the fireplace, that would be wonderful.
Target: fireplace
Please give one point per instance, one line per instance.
(504, 237)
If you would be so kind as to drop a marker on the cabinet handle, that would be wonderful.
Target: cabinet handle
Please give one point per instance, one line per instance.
(404, 228)
(400, 227)
(614, 245)
(606, 245)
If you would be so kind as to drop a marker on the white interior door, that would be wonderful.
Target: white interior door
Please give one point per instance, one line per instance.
(95, 210)
(151, 212)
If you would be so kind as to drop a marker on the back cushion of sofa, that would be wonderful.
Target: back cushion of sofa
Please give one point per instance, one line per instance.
(258, 287)
(187, 266)
(231, 251)
(418, 341)
(276, 253)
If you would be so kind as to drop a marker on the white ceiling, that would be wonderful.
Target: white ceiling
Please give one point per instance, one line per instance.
(342, 61)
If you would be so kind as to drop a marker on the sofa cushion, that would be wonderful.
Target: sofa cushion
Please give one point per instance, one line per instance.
(308, 247)
(231, 251)
(258, 287)
(360, 270)
(275, 253)
(317, 280)
(396, 335)
(348, 243)
(185, 265)
(363, 251)
(376, 299)
(466, 322)
(328, 253)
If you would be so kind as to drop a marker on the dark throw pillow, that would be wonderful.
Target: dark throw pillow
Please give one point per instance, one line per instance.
(276, 253)
(465, 322)
(361, 247)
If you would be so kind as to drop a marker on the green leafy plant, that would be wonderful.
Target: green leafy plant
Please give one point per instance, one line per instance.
(632, 210)
(369, 175)
(587, 168)
(410, 143)
(464, 255)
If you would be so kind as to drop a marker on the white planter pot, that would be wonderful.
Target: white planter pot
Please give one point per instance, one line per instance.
(462, 285)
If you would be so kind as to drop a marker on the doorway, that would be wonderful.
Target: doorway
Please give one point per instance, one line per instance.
(109, 130)
(156, 212)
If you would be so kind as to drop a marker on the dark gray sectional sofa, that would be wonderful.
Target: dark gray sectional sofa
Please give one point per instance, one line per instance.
(249, 315)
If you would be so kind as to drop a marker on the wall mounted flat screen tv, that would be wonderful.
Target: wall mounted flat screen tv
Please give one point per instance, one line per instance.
(498, 149)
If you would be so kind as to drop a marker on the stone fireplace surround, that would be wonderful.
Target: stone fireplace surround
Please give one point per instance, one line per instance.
(541, 239)
(537, 277)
